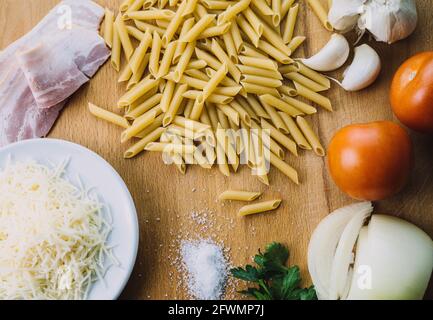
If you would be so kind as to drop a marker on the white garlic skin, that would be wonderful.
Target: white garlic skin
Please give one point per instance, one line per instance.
(344, 14)
(364, 69)
(331, 57)
(389, 20)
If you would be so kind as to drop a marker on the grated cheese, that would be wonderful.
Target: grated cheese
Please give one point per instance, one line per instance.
(52, 234)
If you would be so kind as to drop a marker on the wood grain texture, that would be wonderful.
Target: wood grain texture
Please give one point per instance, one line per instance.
(165, 199)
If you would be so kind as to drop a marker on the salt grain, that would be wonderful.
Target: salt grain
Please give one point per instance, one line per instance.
(206, 268)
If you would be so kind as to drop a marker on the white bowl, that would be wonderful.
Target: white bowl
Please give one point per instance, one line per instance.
(95, 172)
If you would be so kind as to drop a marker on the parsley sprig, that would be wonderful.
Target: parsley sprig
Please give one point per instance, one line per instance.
(275, 281)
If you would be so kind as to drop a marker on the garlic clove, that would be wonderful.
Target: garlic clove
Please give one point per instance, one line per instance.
(364, 69)
(331, 57)
(344, 14)
(389, 21)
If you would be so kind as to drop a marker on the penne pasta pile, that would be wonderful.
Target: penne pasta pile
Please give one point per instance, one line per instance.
(213, 82)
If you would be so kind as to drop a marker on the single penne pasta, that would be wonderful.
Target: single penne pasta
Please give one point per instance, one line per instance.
(295, 132)
(196, 64)
(274, 52)
(289, 27)
(116, 51)
(257, 107)
(190, 124)
(228, 91)
(137, 4)
(143, 26)
(311, 136)
(215, 31)
(238, 195)
(232, 11)
(155, 53)
(229, 112)
(108, 27)
(174, 24)
(186, 26)
(280, 105)
(213, 115)
(144, 107)
(126, 74)
(248, 50)
(263, 7)
(170, 148)
(210, 60)
(244, 116)
(174, 104)
(285, 7)
(200, 11)
(167, 95)
(167, 59)
(230, 47)
(236, 35)
(276, 7)
(248, 30)
(285, 168)
(223, 58)
(254, 21)
(137, 91)
(125, 5)
(139, 125)
(259, 72)
(225, 141)
(140, 145)
(275, 118)
(198, 28)
(259, 90)
(313, 96)
(295, 43)
(188, 108)
(313, 75)
(267, 64)
(321, 13)
(190, 7)
(149, 15)
(288, 68)
(287, 89)
(216, 4)
(300, 105)
(108, 116)
(139, 53)
(307, 82)
(136, 77)
(260, 207)
(222, 160)
(183, 61)
(263, 81)
(122, 32)
(213, 83)
(284, 140)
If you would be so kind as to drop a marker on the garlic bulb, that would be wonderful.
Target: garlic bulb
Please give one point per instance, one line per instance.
(344, 14)
(387, 20)
(331, 57)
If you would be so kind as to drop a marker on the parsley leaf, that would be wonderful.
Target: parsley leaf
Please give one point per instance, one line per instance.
(274, 280)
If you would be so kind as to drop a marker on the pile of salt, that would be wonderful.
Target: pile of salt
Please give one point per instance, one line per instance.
(206, 269)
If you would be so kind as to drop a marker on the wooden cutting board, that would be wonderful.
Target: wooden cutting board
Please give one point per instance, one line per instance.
(167, 202)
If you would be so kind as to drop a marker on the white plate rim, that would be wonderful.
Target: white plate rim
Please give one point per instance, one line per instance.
(133, 211)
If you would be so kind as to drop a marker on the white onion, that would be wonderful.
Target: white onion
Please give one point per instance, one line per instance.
(399, 258)
(323, 244)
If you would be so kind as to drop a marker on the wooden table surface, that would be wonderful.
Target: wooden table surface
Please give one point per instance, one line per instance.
(167, 201)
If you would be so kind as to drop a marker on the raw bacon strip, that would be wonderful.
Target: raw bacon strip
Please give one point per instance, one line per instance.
(60, 65)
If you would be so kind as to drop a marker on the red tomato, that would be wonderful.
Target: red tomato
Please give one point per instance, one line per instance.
(412, 92)
(371, 161)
